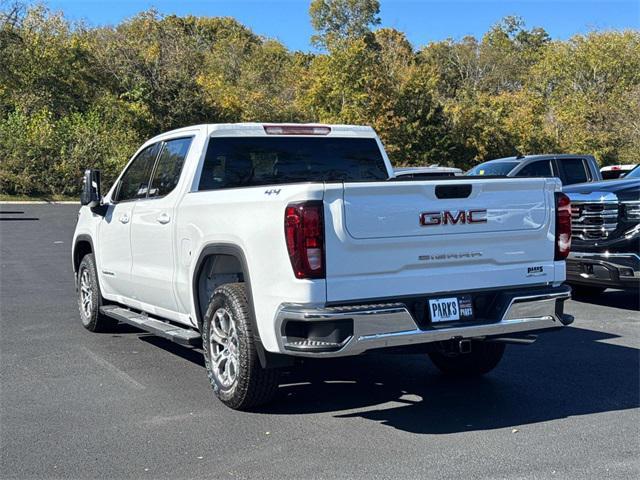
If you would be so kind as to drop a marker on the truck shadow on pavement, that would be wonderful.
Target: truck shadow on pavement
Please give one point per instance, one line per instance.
(612, 298)
(566, 373)
(191, 354)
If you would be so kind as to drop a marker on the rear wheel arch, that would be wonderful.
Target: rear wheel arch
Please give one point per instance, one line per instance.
(219, 264)
(229, 264)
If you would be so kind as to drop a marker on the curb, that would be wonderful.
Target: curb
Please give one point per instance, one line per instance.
(36, 202)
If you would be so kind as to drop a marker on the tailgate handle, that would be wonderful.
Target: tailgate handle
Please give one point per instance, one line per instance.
(453, 191)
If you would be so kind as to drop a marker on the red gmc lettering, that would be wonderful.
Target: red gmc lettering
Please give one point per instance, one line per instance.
(428, 219)
(481, 216)
(449, 218)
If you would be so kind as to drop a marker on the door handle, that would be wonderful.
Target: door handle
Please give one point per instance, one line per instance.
(124, 218)
(163, 218)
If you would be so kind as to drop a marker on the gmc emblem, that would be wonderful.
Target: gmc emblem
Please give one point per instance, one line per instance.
(447, 217)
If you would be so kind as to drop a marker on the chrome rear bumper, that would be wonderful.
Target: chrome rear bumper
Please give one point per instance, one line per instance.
(392, 325)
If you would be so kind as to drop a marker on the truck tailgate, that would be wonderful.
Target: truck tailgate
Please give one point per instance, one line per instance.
(390, 239)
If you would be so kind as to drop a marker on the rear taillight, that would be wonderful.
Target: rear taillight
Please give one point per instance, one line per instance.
(563, 226)
(304, 233)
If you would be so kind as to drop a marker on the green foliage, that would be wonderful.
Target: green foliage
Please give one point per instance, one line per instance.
(340, 20)
(44, 63)
(590, 87)
(423, 135)
(73, 97)
(245, 80)
(42, 155)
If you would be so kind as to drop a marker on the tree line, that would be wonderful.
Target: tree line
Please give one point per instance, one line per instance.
(74, 96)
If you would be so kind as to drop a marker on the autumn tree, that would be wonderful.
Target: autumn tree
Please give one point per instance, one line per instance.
(339, 20)
(73, 96)
(589, 87)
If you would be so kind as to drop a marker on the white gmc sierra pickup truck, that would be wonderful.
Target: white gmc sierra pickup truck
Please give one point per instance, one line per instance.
(266, 243)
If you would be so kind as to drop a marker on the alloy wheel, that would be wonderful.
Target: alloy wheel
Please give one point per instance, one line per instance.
(86, 293)
(223, 347)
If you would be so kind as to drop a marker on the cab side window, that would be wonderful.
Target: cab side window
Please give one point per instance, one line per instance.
(541, 168)
(575, 170)
(134, 183)
(169, 166)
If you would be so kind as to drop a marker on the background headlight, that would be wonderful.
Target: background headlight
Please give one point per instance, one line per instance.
(631, 209)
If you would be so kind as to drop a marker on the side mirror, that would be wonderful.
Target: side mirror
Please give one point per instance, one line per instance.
(90, 194)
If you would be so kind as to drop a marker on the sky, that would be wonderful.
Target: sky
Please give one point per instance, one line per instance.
(422, 20)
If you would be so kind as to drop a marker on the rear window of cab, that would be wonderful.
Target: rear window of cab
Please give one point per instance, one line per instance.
(251, 161)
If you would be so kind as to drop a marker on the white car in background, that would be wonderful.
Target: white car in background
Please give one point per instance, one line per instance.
(420, 173)
(616, 171)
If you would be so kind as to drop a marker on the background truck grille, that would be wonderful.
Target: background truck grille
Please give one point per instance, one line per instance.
(593, 221)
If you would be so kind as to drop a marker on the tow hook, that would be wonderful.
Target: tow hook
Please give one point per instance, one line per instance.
(464, 345)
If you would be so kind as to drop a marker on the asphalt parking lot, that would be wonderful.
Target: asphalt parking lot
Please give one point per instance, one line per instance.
(128, 405)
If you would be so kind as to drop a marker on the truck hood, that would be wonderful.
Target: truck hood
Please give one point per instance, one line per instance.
(604, 186)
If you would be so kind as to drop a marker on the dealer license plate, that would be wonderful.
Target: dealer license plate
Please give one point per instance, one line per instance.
(450, 309)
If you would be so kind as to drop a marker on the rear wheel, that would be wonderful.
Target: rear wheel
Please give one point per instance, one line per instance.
(483, 357)
(90, 298)
(232, 362)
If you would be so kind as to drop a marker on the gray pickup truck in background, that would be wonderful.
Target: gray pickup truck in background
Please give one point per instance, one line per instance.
(570, 169)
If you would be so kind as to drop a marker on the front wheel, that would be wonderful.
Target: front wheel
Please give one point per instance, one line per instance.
(90, 298)
(232, 362)
(483, 357)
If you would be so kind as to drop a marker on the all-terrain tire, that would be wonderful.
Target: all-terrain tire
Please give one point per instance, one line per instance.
(483, 357)
(90, 299)
(248, 385)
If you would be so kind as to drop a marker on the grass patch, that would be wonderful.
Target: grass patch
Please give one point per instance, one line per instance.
(37, 198)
